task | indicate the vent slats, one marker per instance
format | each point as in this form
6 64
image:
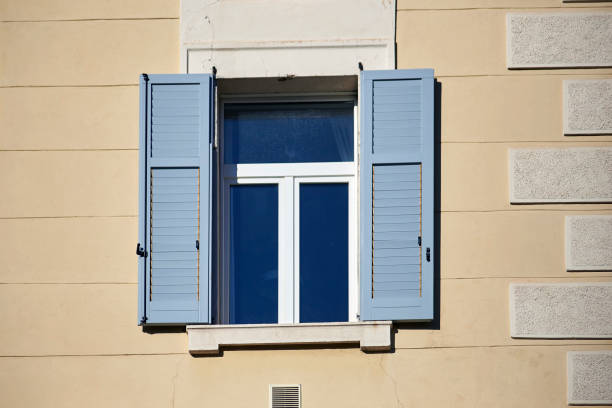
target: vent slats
285 396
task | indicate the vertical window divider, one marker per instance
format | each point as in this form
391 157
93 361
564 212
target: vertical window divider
285 250
296 250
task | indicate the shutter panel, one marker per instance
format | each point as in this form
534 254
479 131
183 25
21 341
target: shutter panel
397 195
176 123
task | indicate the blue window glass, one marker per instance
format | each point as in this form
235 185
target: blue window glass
324 252
254 253
288 133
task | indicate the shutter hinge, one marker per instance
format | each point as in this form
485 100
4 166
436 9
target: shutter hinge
145 77
360 65
141 251
198 244
419 240
143 320
428 255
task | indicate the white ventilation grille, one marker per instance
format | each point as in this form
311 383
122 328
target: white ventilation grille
285 396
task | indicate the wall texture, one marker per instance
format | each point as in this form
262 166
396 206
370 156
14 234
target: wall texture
68 173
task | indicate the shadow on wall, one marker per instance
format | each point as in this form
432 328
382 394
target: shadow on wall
435 323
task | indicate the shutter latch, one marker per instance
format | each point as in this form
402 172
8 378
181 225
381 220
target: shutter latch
419 240
141 251
198 244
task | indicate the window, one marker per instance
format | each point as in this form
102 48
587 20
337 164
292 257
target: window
289 210
284 222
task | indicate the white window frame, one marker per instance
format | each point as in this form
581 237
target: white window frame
288 177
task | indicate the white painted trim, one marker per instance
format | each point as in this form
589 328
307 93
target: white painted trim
286 260
289 169
288 176
208 340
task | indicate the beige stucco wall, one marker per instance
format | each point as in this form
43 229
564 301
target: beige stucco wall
68 176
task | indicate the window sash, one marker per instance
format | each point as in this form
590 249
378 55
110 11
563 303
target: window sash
288 176
288 244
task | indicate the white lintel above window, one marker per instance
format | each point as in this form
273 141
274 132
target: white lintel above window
267 38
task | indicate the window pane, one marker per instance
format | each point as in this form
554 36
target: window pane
288 133
254 253
324 252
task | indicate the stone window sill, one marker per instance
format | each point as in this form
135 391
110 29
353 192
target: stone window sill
209 339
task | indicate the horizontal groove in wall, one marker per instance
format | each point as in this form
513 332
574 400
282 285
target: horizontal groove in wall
525 73
68 283
605 207
572 275
536 72
556 142
605 141
67 86
569 8
72 20
523 209
297 348
71 150
577 276
92 355
68 216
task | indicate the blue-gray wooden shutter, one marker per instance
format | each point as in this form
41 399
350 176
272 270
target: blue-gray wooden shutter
176 125
396 195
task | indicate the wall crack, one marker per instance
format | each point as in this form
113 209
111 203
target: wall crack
174 378
399 403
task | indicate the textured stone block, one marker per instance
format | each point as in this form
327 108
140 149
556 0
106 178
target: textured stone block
588 243
587 107
589 377
563 310
561 175
559 40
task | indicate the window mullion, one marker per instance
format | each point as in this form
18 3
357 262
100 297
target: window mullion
285 251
